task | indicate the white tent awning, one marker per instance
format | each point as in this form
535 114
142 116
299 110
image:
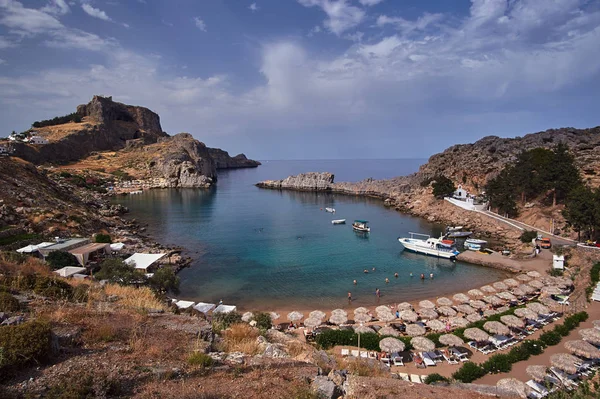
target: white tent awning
143 261
33 248
204 307
117 246
184 304
69 271
225 309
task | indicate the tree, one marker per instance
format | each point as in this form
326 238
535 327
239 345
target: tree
443 187
164 280
563 173
60 259
582 211
500 192
117 271
103 238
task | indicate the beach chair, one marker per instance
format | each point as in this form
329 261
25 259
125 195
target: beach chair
449 358
345 352
537 387
397 359
404 376
415 378
427 359
355 353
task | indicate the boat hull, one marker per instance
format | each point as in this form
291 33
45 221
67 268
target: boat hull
339 221
412 247
362 229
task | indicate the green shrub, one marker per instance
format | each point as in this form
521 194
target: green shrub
469 372
263 321
103 238
528 235
555 272
435 377
58 120
595 274
60 259
534 347
369 341
519 353
200 359
53 288
500 363
25 343
563 330
80 293
550 338
443 187
8 303
222 321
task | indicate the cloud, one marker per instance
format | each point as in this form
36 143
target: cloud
253 7
5 43
314 31
200 24
407 26
369 2
26 21
95 12
342 16
56 7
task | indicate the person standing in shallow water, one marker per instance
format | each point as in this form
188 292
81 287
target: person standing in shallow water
349 296
378 293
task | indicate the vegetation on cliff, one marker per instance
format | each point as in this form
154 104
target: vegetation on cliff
58 120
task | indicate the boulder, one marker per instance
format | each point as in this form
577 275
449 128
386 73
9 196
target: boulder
323 387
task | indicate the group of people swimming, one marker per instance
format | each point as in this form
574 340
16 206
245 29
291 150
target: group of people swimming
387 280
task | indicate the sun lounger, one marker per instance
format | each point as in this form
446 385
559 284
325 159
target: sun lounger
415 378
404 376
427 359
398 361
355 353
364 354
537 387
345 352
372 355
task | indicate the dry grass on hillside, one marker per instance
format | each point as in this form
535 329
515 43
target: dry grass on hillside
135 298
241 338
57 132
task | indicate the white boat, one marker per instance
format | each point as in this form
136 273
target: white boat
474 244
338 221
455 228
361 225
330 210
429 246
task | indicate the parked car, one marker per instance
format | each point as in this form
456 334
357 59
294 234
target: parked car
545 243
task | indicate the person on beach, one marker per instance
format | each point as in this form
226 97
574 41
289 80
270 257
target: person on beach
448 327
349 296
220 301
397 314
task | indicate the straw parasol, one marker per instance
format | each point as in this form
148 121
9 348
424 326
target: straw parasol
436 325
524 277
473 317
526 288
409 315
427 304
537 372
488 289
592 335
538 308
534 274
451 340
389 331
295 316
477 304
583 349
312 322
391 345
461 298
475 293
565 362
511 282
247 316
446 311
382 308
493 299
404 306
422 344
339 311
274 316
443 301
363 329
500 286
362 318
458 322
512 321
526 313
464 308
512 387
476 334
551 290
495 327
548 280
386 316
428 314
564 281
517 291
361 310
536 284
338 318
415 330
489 312
317 314
596 324
549 301
506 295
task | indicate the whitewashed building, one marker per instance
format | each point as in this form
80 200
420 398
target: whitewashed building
460 193
37 140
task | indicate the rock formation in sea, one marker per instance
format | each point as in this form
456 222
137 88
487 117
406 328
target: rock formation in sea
223 160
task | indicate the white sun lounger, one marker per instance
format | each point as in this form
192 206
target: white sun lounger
404 376
345 352
355 353
427 360
415 378
539 388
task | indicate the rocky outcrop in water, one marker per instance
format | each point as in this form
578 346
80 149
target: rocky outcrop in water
303 182
223 160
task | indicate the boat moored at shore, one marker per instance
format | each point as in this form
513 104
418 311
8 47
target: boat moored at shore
330 210
474 244
429 246
361 226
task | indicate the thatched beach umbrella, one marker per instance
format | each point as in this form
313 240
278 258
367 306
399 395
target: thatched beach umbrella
495 327
461 298
317 314
500 286
436 325
475 293
549 302
493 300
473 318
477 304
451 340
389 331
391 345
274 316
386 317
415 330
566 362
564 281
551 290
512 321
361 310
596 324
511 282
526 288
512 387
506 296
476 334
362 318
338 318
428 314
382 308
534 274
583 349
538 308
312 322
247 316
409 315
524 278
489 312
458 322
446 311
526 313
502 309
339 311
537 372
295 316
427 304
464 308
536 284
404 306
363 329
443 301
517 291
549 280
422 344
591 335
488 289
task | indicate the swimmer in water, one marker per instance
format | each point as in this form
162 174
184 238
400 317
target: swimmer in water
387 280
354 282
366 271
422 276
431 276
373 269
396 275
410 274
349 296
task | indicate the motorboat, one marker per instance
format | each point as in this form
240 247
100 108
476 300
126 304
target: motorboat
330 210
361 225
474 244
428 245
338 221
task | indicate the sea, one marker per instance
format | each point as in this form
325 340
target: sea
262 249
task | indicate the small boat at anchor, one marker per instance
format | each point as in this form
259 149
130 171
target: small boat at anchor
474 244
361 226
330 210
429 246
338 221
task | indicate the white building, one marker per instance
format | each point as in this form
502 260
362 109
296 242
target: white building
558 262
37 140
460 193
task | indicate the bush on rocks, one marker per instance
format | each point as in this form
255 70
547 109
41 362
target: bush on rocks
25 343
53 288
8 303
435 377
263 321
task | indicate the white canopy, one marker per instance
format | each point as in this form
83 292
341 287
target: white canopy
69 271
117 246
225 309
33 248
184 304
204 307
143 261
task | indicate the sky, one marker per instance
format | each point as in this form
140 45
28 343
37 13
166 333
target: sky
309 79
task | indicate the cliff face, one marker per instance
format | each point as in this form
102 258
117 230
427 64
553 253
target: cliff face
305 181
223 160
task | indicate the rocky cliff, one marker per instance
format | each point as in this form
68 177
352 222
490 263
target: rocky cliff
303 182
223 160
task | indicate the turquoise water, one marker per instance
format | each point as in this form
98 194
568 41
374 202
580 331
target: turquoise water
259 248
